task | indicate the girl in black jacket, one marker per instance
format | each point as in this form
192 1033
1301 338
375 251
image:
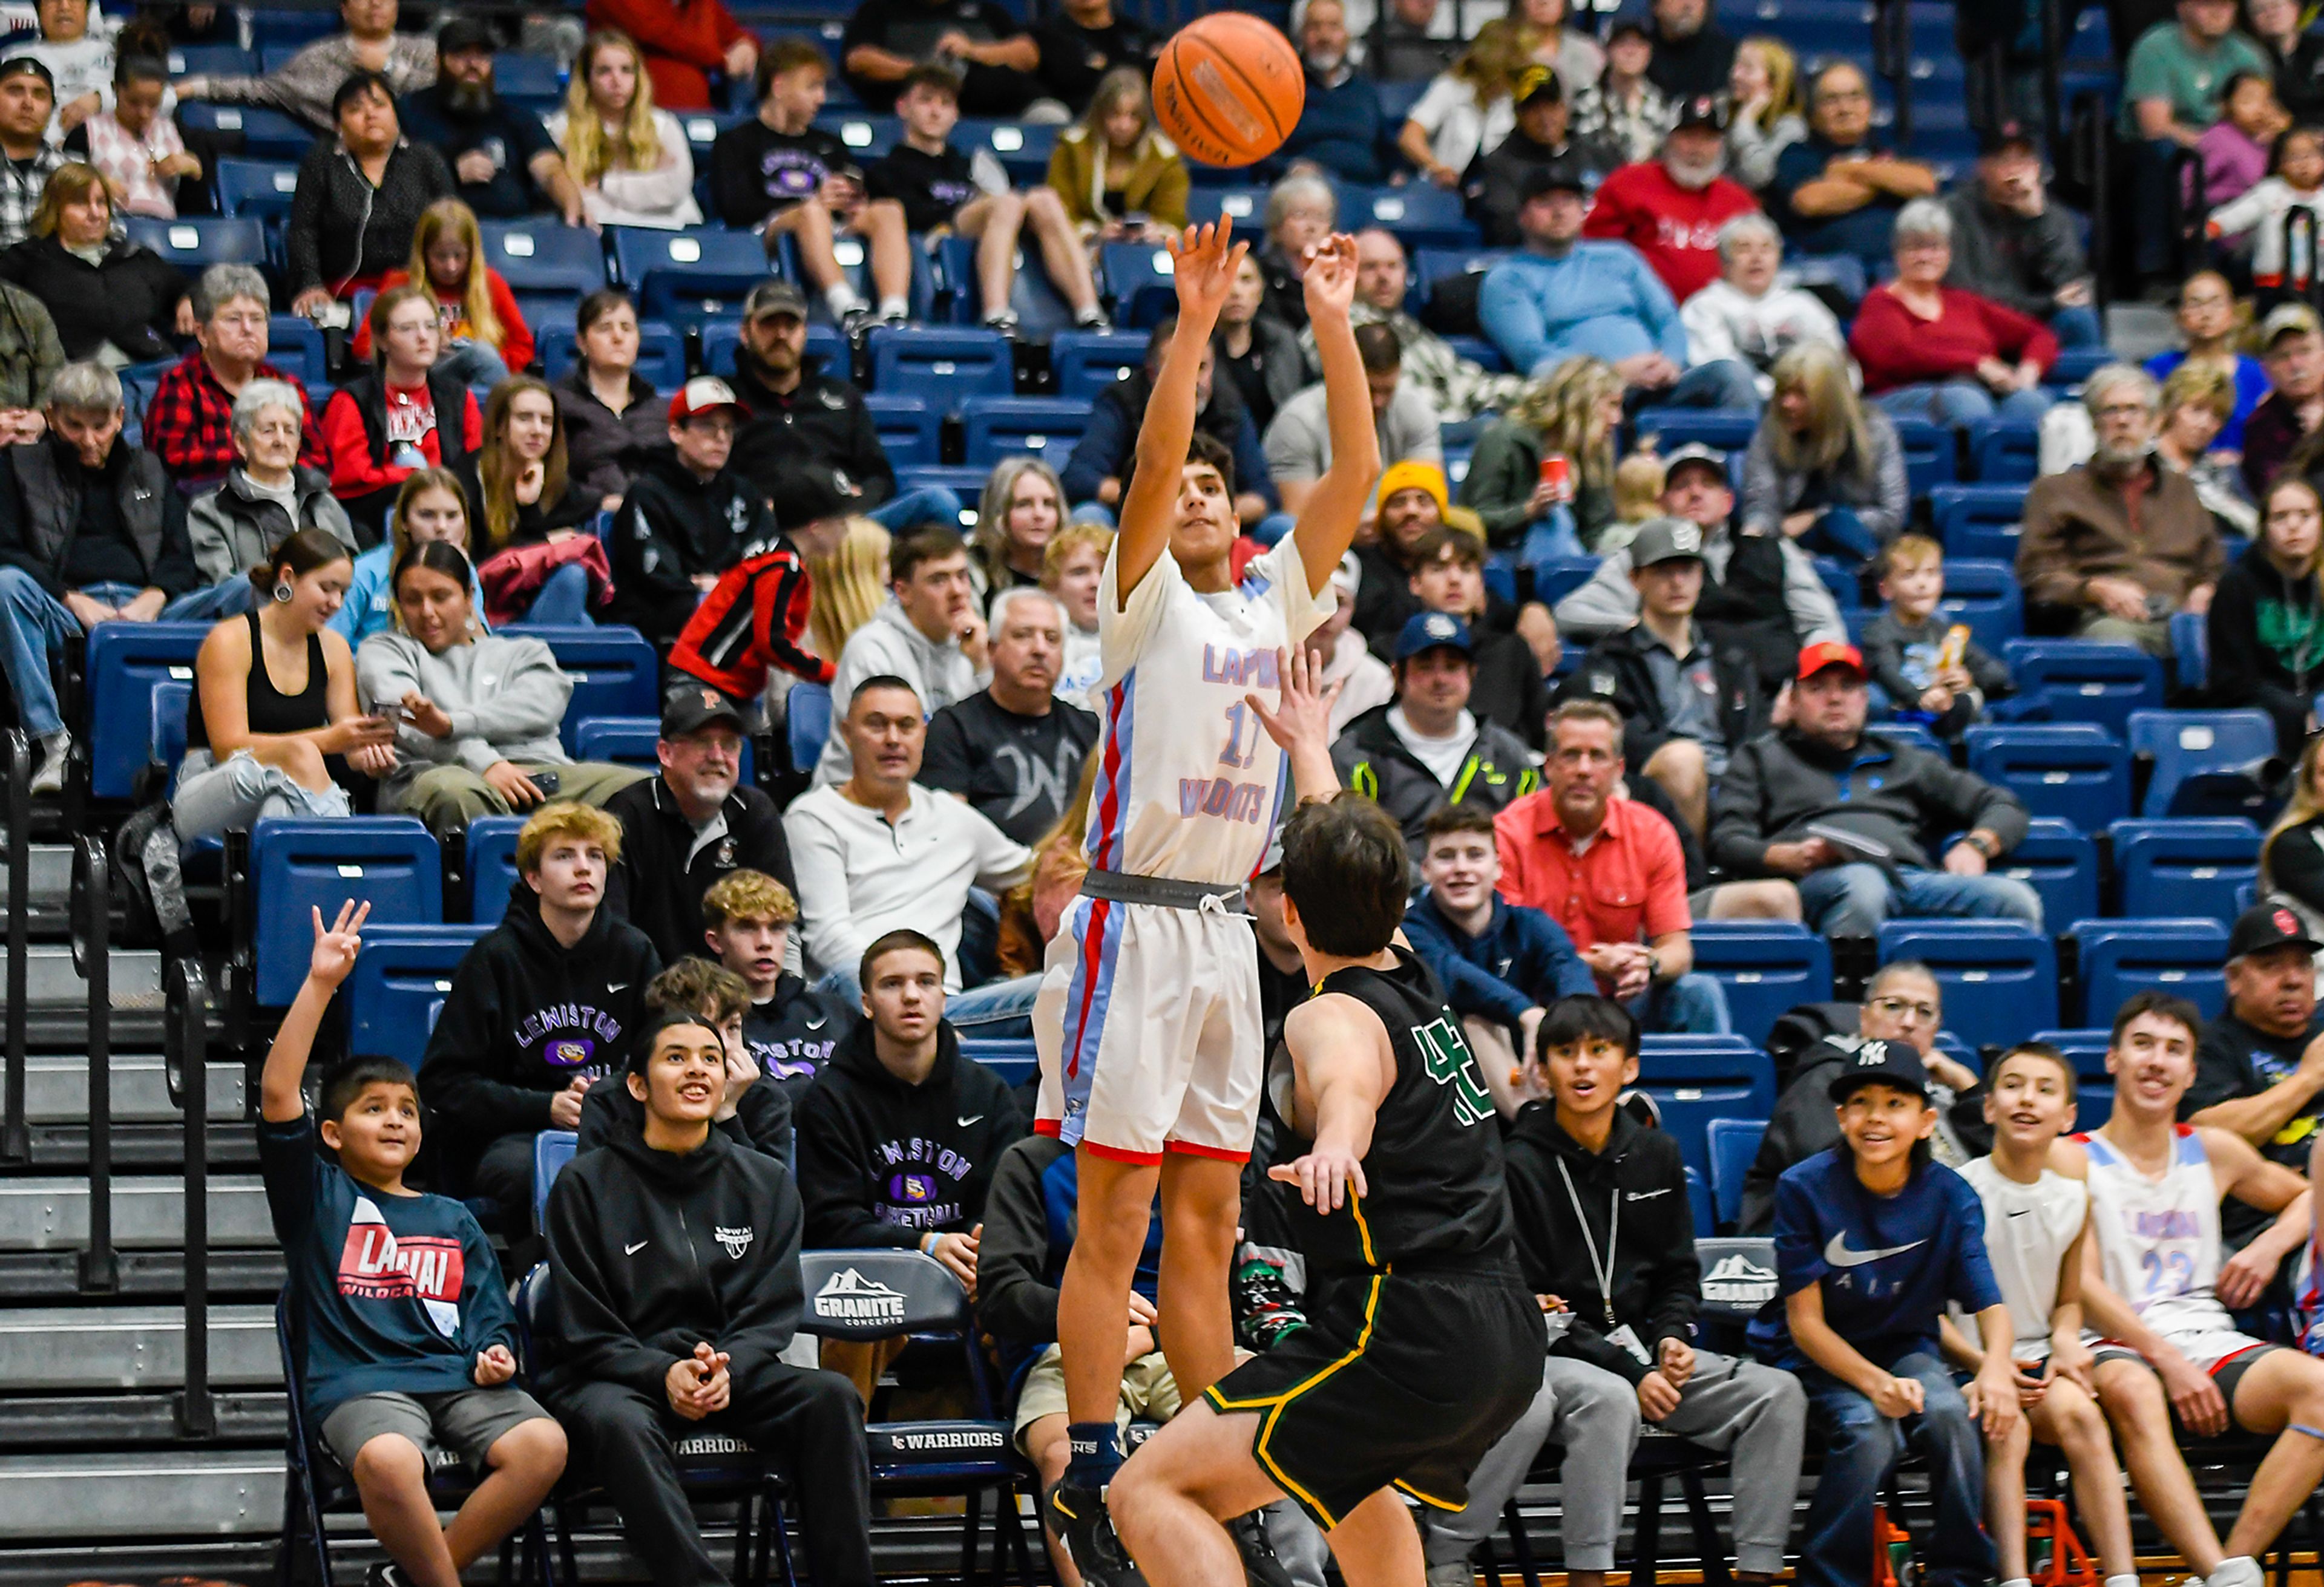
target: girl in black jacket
101 290
2266 622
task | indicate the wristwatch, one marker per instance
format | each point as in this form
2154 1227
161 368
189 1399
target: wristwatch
1983 845
1654 965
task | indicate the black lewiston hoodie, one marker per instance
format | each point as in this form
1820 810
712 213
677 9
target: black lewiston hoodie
884 1163
526 1014
649 1252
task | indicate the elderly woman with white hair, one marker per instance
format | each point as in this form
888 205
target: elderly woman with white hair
1750 314
1933 351
267 496
1301 209
1824 469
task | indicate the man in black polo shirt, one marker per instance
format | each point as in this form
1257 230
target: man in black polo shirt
502 162
684 830
2259 1066
1013 750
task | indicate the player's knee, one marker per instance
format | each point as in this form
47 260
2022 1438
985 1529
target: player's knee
389 1461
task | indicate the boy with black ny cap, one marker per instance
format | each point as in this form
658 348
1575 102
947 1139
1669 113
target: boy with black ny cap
687 517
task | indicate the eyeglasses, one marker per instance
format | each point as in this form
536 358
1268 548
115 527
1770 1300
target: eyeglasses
1897 1008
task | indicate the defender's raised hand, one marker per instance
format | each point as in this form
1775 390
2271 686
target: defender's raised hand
1329 283
1202 264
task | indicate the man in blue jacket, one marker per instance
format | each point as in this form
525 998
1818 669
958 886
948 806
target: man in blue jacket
1561 296
1499 963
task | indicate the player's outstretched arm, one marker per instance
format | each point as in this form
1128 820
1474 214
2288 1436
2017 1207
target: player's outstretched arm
1301 723
1341 1060
1327 524
336 947
1203 261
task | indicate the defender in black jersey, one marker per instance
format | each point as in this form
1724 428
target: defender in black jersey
1422 1343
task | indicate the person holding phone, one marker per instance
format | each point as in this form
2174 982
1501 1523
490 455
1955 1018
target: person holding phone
474 714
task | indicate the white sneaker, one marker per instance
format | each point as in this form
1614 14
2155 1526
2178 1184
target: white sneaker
2242 1571
50 778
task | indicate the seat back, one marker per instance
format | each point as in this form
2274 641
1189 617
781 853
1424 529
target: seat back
1998 976
2086 1049
1929 453
620 741
2073 771
1138 277
910 430
1765 967
294 344
551 1151
2083 681
1421 216
2061 864
1037 427
1980 521
1985 596
689 275
2185 868
662 354
2004 451
2185 958
943 367
257 190
1692 1085
2190 649
543 255
1665 429
615 672
122 664
490 859
2184 745
1085 362
300 865
1013 1058
1022 149
1734 1144
807 723
166 734
194 242
399 985
266 135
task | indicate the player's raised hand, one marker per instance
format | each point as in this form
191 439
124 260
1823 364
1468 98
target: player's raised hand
336 945
1330 284
1323 1177
1203 267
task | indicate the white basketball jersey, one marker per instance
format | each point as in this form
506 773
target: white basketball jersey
1188 782
2027 1231
2160 1238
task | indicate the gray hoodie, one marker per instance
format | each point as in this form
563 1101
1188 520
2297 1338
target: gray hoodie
505 696
889 644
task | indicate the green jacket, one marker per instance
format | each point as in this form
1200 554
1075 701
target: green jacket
1502 473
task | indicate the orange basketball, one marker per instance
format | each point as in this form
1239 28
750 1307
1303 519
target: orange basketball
1228 90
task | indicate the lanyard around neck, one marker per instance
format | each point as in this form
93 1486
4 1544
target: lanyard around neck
1604 1271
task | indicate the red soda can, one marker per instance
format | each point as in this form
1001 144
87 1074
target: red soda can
1558 475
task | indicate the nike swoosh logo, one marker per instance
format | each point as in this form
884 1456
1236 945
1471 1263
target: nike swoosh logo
2019 1212
970 1119
1646 1194
617 985
633 1250
818 1024
1838 1254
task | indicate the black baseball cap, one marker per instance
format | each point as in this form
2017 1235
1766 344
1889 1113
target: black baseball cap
1881 1063
2264 926
810 493
692 707
467 33
1703 110
2004 136
1559 175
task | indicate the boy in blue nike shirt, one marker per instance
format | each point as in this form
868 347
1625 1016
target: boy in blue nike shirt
1872 1239
409 1339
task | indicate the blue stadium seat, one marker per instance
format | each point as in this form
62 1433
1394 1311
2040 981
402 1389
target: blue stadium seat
2083 681
943 367
1039 427
615 672
297 865
1998 976
807 723
1137 277
295 347
1695 1085
532 80
2201 760
1666 429
685 276
266 135
1248 206
661 353
1479 351
2061 863
1929 453
1843 585
2191 649
2183 957
1842 273
489 858
166 729
1698 1204
212 61
619 740
1560 576
2004 451
1765 967
2184 868
1421 216
398 987
909 430
2086 1049
1985 596
2075 771
825 344
194 242
544 256
867 135
1431 265
1041 310
1086 363
1978 520
1022 149
1013 1058
257 189
968 484
551 1151
125 662
1914 733
1734 1143
2076 365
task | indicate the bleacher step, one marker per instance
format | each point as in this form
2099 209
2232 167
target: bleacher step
52 980
57 1349
49 1214
48 886
55 1089
192 1494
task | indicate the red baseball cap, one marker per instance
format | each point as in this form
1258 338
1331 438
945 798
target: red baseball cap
705 394
1815 658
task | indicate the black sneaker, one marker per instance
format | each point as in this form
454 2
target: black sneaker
1260 1563
1077 1516
386 1574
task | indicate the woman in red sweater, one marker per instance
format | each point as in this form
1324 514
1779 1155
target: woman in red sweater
1934 352
484 337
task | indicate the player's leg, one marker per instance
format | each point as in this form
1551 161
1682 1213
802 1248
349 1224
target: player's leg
2282 1392
390 1475
1453 1537
522 1466
1168 1502
1046 1445
881 223
1201 1207
993 220
1061 250
2131 1397
2005 1498
2070 1419
1114 1202
1378 1545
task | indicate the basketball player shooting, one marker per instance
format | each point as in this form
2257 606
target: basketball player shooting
1148 1020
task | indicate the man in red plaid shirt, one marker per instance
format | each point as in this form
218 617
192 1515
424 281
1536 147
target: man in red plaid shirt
190 424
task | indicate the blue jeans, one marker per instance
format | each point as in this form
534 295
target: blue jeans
1955 403
1841 533
563 600
230 599
937 504
1860 1447
33 628
1693 1004
1723 382
475 365
1852 900
2077 327
1550 537
996 1010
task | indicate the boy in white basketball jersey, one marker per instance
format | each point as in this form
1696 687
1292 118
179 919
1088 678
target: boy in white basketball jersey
1148 1020
2154 1283
2036 1222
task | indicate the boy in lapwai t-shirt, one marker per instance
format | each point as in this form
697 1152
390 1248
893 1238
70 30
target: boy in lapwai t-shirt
407 1338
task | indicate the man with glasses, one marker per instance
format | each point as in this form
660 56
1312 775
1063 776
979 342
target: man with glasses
2121 541
1904 1007
1835 191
